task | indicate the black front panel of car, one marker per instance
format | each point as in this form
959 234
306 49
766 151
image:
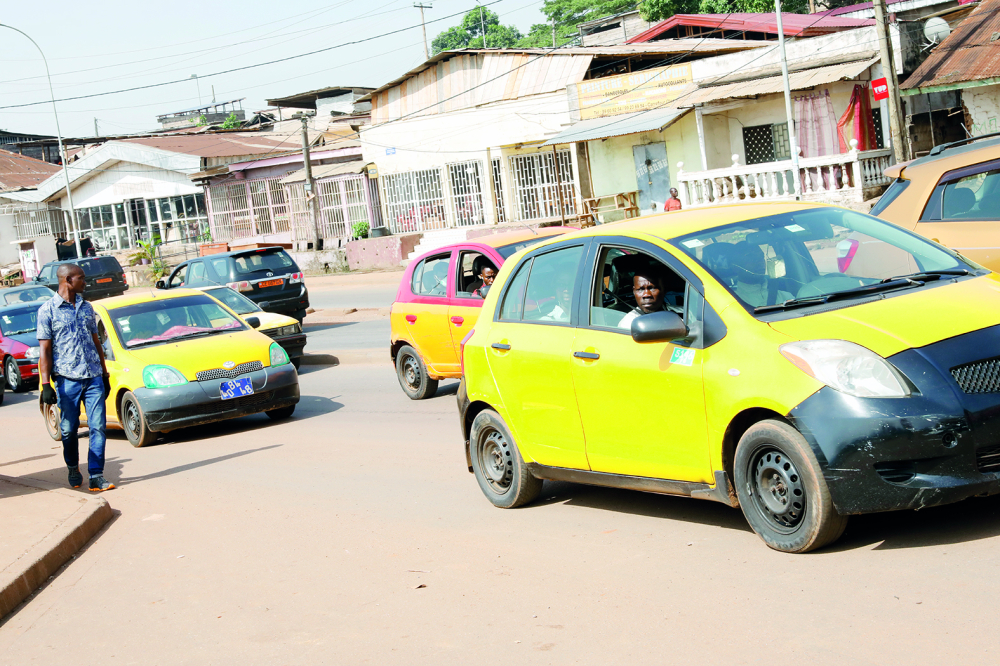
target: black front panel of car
937 446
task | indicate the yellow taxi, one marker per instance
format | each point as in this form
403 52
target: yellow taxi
438 301
730 354
180 358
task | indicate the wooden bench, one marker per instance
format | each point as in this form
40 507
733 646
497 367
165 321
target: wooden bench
627 202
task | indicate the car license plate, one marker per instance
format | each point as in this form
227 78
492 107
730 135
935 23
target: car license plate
236 388
270 283
103 280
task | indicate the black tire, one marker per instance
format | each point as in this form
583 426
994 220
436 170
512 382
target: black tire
297 362
3 387
281 413
13 375
412 374
134 422
782 490
502 475
53 421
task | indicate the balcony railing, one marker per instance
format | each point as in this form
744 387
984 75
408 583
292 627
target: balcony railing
843 178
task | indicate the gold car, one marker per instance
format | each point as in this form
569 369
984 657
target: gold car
951 196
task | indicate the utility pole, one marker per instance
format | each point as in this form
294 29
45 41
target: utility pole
423 26
196 83
96 133
482 24
310 186
793 144
896 126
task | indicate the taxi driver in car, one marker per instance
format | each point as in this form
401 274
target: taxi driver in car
647 287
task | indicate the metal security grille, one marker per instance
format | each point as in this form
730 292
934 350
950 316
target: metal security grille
782 146
500 207
222 373
32 222
988 459
466 192
535 189
413 201
758 144
342 203
301 215
877 119
247 208
980 377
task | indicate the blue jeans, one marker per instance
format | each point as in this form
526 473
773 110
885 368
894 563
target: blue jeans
90 392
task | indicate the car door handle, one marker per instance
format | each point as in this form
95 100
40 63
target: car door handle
501 346
590 356
458 321
411 318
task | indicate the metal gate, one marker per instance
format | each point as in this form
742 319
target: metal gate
535 185
465 179
413 201
247 208
342 202
500 202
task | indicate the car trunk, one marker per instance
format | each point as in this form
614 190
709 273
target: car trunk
269 271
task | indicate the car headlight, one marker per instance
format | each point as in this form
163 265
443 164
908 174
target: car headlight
162 376
278 355
847 367
33 352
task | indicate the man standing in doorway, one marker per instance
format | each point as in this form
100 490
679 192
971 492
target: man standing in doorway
72 355
674 202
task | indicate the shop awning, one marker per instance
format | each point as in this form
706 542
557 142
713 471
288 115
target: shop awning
325 171
627 123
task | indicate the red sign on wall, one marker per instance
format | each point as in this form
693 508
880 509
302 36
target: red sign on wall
880 88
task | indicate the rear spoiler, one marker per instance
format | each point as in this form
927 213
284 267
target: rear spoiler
896 170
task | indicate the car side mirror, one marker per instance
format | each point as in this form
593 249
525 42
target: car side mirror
264 305
160 284
254 322
658 327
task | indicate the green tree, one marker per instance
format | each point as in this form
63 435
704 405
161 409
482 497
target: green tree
470 33
657 10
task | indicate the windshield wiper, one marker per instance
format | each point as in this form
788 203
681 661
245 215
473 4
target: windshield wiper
187 336
930 275
27 330
896 283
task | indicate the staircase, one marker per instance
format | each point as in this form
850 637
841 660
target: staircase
432 240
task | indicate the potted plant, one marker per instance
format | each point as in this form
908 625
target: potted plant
360 229
145 255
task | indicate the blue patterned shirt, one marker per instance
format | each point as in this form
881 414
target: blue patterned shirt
70 327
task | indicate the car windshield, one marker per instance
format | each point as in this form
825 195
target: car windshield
27 295
506 251
19 321
171 319
276 261
238 303
815 256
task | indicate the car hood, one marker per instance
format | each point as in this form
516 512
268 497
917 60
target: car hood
269 320
906 320
25 339
192 356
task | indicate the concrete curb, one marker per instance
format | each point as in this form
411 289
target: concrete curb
44 558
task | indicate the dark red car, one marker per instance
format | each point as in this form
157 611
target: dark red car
19 349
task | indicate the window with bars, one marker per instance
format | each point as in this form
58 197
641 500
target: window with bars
535 185
766 143
413 201
500 205
342 203
465 180
247 208
877 119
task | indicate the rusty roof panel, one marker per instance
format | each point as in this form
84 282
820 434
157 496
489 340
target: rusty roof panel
21 171
218 145
970 53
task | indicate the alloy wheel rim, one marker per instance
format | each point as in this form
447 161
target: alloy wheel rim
13 375
411 372
496 461
776 488
52 418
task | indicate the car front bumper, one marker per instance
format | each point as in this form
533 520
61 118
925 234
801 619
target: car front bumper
294 345
28 368
283 303
937 446
197 403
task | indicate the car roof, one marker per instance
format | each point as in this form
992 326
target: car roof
237 253
23 287
145 294
520 235
952 158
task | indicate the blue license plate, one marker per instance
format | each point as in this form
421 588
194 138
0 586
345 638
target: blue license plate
236 388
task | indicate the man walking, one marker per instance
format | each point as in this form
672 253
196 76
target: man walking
71 353
674 202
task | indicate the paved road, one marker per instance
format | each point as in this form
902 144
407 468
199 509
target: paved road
354 290
308 541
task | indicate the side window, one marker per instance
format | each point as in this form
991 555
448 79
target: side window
102 333
221 268
513 300
430 277
46 273
973 196
177 279
474 270
196 273
629 284
548 294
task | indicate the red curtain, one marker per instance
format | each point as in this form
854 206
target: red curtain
857 123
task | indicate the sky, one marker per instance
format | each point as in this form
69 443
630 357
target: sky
113 44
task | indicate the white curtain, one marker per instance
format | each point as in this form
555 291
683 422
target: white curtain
816 131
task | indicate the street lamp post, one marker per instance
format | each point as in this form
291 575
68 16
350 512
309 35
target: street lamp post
62 151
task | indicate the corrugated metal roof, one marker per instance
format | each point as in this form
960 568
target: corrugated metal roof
218 145
794 25
326 171
773 84
307 100
628 123
21 171
971 53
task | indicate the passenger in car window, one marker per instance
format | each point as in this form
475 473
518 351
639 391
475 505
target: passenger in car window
648 286
486 274
753 286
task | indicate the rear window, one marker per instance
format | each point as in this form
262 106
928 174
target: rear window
274 261
890 195
99 266
506 251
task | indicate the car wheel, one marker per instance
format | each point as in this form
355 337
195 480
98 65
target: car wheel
3 387
296 362
497 464
412 374
782 490
134 422
14 381
53 421
281 413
